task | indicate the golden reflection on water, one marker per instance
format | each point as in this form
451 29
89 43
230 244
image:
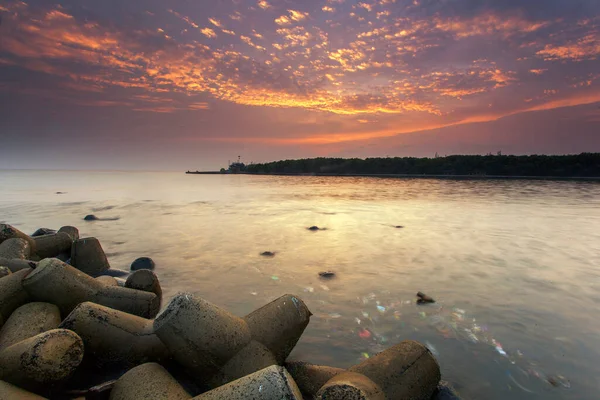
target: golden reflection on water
520 257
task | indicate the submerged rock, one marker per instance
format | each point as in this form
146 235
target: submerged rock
326 274
423 298
315 228
267 254
91 217
143 263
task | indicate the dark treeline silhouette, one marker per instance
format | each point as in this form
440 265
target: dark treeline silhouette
581 165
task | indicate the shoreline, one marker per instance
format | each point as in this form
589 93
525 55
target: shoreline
412 176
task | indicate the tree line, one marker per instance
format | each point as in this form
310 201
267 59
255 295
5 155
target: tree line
580 165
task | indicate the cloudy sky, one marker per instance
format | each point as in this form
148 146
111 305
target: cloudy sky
172 84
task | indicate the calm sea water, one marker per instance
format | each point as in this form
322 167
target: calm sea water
514 265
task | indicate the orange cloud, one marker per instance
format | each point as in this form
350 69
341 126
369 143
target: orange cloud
586 48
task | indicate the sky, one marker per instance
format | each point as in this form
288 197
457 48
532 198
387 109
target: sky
191 84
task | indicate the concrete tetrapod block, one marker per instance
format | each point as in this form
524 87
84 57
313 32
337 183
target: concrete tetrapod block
107 280
352 386
15 248
71 231
10 232
58 283
310 378
279 324
87 256
273 382
52 245
29 320
4 271
16 264
12 293
148 381
200 335
8 391
253 357
42 360
112 336
145 280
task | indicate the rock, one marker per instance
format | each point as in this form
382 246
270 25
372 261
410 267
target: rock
12 294
27 321
71 231
115 337
326 274
423 298
43 231
4 271
148 381
273 382
42 360
58 283
314 228
52 245
267 254
88 256
15 248
91 217
146 281
399 226
143 263
8 391
61 192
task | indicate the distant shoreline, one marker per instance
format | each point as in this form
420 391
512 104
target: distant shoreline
417 176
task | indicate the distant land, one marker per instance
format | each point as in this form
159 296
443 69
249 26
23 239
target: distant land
584 165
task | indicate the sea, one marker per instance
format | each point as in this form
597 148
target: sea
514 265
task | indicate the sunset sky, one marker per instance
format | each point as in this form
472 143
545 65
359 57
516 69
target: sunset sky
190 84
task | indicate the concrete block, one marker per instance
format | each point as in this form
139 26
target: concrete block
352 386
309 377
146 281
12 293
15 248
58 283
148 381
112 336
52 245
253 357
16 264
4 271
107 280
42 360
273 382
87 256
279 325
8 392
71 231
10 232
29 320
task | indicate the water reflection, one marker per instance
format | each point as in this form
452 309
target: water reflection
513 264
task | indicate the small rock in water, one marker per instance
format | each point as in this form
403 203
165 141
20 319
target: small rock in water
315 228
43 231
399 226
143 263
61 192
90 217
326 274
423 298
267 254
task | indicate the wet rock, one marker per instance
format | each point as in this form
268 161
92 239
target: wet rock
61 192
115 337
42 360
267 254
58 283
424 299
43 231
326 274
91 217
88 256
399 227
27 321
15 248
315 228
148 381
143 263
